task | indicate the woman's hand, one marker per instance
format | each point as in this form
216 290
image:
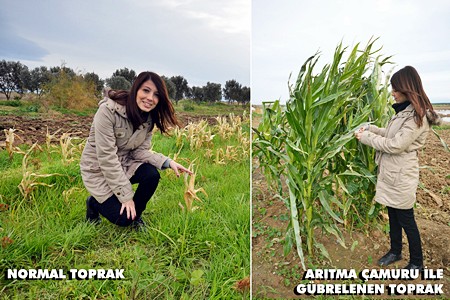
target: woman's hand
359 132
129 208
177 168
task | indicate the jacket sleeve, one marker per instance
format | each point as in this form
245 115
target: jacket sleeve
108 160
407 134
142 153
377 130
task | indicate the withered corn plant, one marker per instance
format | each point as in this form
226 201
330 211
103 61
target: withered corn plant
30 179
10 137
190 192
49 138
199 135
309 144
68 148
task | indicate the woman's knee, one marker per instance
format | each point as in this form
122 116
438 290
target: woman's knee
123 221
149 173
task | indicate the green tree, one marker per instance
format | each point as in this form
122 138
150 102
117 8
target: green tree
171 88
36 80
212 92
118 83
244 95
197 94
181 87
232 91
24 76
56 71
129 75
10 77
95 79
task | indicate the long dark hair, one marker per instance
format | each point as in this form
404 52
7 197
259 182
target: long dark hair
407 81
163 115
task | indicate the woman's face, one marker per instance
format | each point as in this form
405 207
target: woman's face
398 97
147 96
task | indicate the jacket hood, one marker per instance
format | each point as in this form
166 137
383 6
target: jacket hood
433 118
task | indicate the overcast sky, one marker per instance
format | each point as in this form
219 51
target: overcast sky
199 39
286 32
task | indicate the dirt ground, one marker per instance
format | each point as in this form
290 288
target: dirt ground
275 275
34 129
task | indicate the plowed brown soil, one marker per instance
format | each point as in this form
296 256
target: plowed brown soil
34 129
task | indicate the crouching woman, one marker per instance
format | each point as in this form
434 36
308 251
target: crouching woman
397 146
117 153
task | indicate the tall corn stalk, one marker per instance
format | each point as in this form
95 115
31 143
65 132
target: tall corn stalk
311 142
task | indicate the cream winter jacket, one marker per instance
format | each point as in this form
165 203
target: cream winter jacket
398 165
113 152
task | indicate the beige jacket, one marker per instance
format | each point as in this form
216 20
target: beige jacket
113 152
398 165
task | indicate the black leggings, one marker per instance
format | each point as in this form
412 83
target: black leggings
404 218
148 178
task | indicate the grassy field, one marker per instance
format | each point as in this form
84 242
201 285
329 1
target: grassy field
182 255
37 106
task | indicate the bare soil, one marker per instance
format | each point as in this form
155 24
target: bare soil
275 275
34 129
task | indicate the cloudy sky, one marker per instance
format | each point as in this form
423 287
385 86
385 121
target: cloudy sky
286 32
199 39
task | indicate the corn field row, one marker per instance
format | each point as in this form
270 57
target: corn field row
307 150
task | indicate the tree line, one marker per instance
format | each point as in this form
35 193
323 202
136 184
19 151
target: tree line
17 77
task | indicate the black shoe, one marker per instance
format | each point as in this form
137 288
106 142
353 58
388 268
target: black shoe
411 266
92 214
388 259
138 224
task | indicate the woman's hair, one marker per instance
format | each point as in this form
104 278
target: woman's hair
407 81
163 115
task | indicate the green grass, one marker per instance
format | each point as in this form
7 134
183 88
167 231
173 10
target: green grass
19 107
182 255
188 107
445 126
13 103
218 108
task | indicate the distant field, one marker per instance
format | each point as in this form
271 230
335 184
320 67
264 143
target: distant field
441 106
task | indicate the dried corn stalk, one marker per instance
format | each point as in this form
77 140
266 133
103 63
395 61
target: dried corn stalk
49 137
68 148
29 179
10 137
190 193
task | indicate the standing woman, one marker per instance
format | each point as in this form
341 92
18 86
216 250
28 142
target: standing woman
117 153
397 147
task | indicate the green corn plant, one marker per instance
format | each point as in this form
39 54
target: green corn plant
268 144
353 170
310 143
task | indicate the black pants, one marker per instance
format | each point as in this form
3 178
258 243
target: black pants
148 178
404 218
